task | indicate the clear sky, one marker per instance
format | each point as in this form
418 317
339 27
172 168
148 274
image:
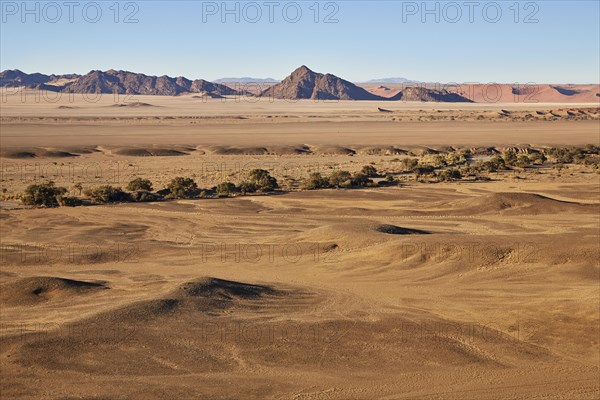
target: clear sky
477 41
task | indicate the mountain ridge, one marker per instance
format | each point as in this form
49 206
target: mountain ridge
302 83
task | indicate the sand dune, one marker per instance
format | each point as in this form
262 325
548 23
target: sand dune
145 152
522 203
396 230
475 288
28 291
502 93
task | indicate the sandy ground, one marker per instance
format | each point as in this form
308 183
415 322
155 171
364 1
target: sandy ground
495 294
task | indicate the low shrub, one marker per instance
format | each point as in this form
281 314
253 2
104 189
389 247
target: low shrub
423 170
263 180
369 171
522 161
182 188
107 194
340 179
226 189
361 180
410 164
65 201
44 195
315 181
449 175
145 196
139 184
247 187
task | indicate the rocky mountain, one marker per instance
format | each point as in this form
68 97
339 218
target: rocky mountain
419 93
304 83
124 82
15 77
112 81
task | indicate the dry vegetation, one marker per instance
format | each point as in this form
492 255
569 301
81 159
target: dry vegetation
430 259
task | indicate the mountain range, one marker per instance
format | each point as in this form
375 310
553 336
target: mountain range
303 83
111 81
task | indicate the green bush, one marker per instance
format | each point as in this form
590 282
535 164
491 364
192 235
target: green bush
369 171
45 195
423 170
340 179
139 184
247 187
226 189
410 164
537 158
263 180
510 157
145 196
65 201
182 188
315 181
522 161
449 175
361 180
107 194
437 160
456 159
498 162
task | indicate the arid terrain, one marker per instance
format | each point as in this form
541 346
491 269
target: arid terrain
414 286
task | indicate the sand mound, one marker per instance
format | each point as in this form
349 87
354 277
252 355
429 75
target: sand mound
481 151
34 290
334 150
142 152
231 150
48 152
289 150
17 154
208 295
78 149
521 203
421 151
215 288
136 104
36 152
55 154
211 95
396 230
381 151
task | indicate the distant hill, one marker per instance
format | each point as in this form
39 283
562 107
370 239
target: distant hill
112 81
429 95
391 80
246 80
15 77
124 82
304 83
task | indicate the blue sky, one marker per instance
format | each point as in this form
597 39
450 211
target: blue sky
545 42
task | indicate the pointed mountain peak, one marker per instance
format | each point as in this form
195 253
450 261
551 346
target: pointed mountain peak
303 70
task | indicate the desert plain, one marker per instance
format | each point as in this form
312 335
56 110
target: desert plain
465 289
